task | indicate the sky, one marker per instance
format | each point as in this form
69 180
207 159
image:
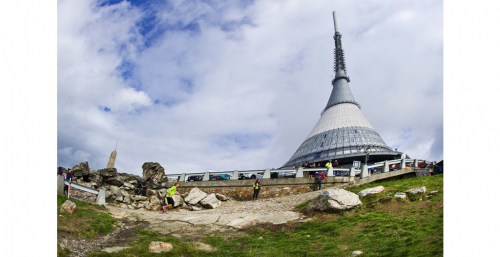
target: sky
238 85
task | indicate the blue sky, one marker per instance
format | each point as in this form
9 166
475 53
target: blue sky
217 85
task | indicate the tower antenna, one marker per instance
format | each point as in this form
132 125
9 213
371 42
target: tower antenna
116 144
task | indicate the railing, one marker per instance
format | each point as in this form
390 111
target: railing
299 172
101 193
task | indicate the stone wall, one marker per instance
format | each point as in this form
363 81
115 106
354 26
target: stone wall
246 193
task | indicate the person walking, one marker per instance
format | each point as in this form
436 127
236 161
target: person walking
256 189
170 201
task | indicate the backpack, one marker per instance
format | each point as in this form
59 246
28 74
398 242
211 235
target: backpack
322 176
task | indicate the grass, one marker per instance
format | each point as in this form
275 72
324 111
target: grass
89 222
303 204
380 227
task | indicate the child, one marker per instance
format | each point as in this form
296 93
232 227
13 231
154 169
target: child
170 201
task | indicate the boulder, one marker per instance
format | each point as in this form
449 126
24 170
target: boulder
158 247
356 253
81 169
108 172
119 198
153 201
178 201
334 199
221 197
194 196
154 173
162 193
210 202
97 179
433 192
194 208
126 199
150 193
109 196
69 207
133 182
128 186
124 192
370 191
115 180
416 190
115 190
138 198
400 195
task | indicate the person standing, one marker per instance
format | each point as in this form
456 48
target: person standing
320 176
59 171
69 178
256 189
328 164
170 201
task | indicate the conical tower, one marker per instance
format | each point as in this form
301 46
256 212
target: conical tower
342 133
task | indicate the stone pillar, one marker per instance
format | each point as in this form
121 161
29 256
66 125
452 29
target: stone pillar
60 185
352 173
386 167
112 158
267 174
207 176
183 177
403 164
300 172
416 164
364 171
330 172
235 175
101 197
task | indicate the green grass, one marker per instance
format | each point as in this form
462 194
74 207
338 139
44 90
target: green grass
89 222
379 227
303 204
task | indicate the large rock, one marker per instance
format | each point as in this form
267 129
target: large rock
221 197
154 173
108 172
153 201
124 192
194 208
69 207
138 198
115 180
97 179
178 200
128 186
210 202
334 199
115 190
400 195
416 190
81 169
194 196
370 191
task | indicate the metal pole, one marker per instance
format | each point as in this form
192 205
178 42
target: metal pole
335 22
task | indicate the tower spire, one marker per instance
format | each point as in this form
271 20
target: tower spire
341 93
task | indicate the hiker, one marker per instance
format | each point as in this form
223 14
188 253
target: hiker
256 189
170 201
320 176
59 171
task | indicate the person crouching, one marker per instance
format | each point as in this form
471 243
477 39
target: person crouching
170 201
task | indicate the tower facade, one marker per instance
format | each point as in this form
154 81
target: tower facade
342 133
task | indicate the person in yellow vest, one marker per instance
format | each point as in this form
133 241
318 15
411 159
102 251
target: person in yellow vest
168 196
256 189
328 164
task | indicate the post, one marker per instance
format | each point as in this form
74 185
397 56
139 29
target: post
300 172
60 185
386 167
364 171
416 164
335 22
330 172
352 173
403 163
206 177
267 174
101 197
183 177
235 175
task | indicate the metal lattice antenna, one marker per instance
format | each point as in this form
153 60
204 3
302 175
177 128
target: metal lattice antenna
339 52
116 144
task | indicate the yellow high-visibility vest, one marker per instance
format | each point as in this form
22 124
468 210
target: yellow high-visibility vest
256 186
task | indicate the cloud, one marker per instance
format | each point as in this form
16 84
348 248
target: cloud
208 85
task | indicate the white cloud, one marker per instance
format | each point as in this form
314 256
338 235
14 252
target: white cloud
226 87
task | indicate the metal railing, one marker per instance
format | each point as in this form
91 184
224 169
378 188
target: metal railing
299 172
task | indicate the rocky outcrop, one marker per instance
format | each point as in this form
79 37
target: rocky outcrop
194 196
154 173
400 195
108 172
335 199
370 191
178 200
69 207
158 247
81 169
210 202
